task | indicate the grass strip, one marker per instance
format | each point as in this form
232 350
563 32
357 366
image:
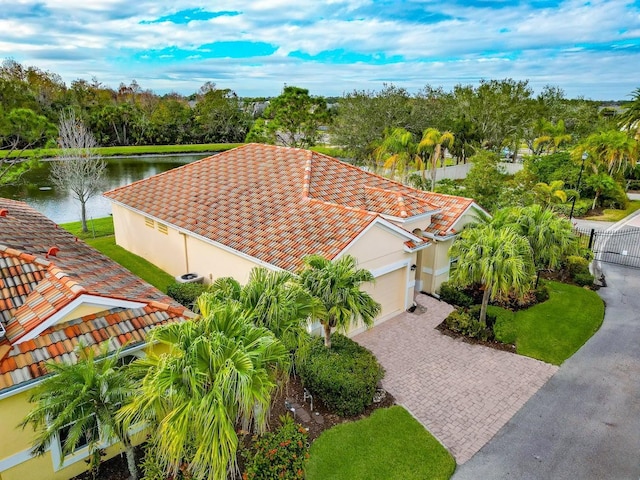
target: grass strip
389 444
554 330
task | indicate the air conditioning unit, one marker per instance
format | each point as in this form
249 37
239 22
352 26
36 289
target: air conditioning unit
190 278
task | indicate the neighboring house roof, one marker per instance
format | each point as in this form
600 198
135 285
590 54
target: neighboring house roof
278 204
45 273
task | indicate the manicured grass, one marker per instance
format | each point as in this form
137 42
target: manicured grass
554 330
613 215
140 150
105 242
390 444
98 227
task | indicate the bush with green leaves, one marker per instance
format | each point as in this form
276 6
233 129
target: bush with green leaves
186 293
454 296
580 209
466 323
504 329
575 265
344 377
278 455
541 293
584 279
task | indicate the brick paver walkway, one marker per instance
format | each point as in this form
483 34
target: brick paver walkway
463 394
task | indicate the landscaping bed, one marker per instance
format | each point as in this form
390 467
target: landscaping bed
116 467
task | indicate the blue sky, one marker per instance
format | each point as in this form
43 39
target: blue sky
255 47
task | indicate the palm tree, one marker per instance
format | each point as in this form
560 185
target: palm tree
275 300
431 145
497 259
398 152
552 136
630 118
337 284
550 236
613 149
550 193
82 399
218 375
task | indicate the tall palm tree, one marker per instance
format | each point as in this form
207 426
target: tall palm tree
398 152
218 375
552 136
613 149
630 118
272 299
82 399
550 236
498 259
337 284
431 145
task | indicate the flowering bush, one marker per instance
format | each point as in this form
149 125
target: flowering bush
278 455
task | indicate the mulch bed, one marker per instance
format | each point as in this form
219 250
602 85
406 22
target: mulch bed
506 347
116 468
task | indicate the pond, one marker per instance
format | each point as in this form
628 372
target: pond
36 189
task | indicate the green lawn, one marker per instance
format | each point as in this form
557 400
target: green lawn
105 242
390 444
141 149
613 215
554 330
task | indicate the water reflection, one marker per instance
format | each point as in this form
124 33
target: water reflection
36 189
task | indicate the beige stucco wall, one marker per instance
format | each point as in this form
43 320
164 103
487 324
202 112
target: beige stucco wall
175 252
15 440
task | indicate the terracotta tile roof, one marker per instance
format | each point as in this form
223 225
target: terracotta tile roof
26 361
33 288
278 204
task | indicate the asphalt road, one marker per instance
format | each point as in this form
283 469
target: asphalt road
584 423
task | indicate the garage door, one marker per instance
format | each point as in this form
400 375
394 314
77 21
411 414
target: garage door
389 290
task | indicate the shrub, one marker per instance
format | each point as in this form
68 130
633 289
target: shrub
343 377
278 455
541 293
454 296
464 323
504 329
584 279
580 210
185 293
576 265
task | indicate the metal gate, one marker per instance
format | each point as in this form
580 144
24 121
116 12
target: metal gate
621 247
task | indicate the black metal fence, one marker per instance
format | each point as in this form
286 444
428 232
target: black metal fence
621 247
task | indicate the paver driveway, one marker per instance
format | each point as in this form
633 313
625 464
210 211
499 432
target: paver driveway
463 394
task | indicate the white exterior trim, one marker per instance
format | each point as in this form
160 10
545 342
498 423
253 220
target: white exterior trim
378 272
385 224
15 459
222 246
473 205
440 271
413 218
84 299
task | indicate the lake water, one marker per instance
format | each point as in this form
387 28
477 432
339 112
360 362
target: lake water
36 189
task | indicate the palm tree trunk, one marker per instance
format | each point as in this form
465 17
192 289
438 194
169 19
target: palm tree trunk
327 334
595 200
433 173
131 458
485 302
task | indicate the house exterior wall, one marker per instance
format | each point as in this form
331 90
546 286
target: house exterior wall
176 252
382 252
435 265
15 443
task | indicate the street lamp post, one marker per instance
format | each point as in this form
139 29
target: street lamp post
573 204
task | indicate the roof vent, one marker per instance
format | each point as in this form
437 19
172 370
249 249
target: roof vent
52 252
4 212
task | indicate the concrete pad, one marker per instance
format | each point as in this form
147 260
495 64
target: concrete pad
463 394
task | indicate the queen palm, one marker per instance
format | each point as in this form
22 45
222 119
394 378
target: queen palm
272 299
337 285
614 150
630 117
218 375
550 193
550 236
82 399
431 145
398 152
497 259
552 136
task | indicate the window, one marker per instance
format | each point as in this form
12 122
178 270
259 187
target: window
162 228
79 453
63 434
149 222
